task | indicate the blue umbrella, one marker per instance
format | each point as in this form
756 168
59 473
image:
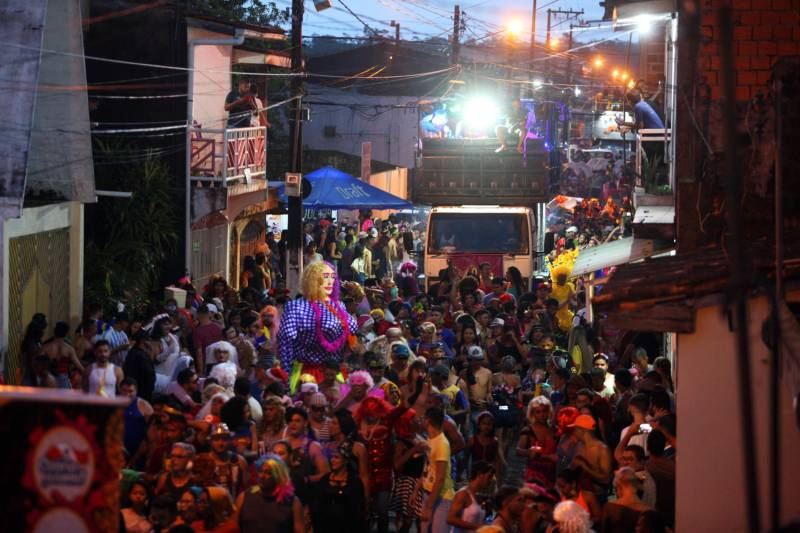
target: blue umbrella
334 189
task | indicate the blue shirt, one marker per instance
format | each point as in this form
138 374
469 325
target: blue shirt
644 114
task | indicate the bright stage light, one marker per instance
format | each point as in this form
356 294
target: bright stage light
577 91
480 112
643 24
537 84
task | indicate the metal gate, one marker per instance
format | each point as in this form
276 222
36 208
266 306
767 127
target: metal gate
38 283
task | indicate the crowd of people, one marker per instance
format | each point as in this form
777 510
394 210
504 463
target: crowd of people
374 402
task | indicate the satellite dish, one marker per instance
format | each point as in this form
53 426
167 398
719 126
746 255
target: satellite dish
306 188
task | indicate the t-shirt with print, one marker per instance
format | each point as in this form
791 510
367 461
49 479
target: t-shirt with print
438 450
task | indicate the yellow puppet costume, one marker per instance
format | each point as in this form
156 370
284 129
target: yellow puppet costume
562 289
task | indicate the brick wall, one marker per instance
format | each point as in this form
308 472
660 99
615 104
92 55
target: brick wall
764 31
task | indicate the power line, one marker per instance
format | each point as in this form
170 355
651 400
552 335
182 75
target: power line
186 69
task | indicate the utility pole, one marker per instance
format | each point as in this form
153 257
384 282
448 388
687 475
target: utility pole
570 13
547 41
396 25
532 52
455 45
294 256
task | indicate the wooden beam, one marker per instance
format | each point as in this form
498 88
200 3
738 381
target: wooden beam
675 318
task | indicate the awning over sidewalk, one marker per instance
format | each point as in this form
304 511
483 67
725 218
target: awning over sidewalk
616 253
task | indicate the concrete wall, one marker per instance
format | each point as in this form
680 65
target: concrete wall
393 132
710 474
60 158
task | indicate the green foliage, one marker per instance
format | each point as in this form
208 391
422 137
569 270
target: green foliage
252 11
129 239
653 174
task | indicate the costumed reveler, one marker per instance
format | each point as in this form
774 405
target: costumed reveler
562 289
316 327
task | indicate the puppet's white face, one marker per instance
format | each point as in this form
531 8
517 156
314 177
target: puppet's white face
328 280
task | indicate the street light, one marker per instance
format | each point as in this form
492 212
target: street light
598 62
515 27
624 76
615 73
554 43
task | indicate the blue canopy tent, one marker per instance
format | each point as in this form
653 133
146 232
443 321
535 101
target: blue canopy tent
334 189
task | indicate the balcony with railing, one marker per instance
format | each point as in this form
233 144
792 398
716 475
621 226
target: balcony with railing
226 157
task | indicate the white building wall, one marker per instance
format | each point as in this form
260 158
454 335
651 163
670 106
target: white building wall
710 469
393 132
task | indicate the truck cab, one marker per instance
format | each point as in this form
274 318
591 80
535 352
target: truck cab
484 204
466 236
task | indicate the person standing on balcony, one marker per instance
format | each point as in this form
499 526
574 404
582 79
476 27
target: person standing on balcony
645 117
240 104
258 117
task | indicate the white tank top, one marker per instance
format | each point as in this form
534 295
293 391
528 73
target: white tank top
103 381
471 513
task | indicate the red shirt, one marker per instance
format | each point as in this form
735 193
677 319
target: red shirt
205 335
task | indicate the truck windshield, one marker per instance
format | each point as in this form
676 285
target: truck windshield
492 233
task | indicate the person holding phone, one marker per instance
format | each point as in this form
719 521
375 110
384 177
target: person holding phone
239 104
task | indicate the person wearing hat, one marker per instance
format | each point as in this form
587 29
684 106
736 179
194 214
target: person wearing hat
479 382
399 354
496 327
427 343
593 457
317 419
377 369
118 338
598 377
230 468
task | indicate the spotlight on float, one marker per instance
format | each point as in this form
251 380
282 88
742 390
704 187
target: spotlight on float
643 24
480 112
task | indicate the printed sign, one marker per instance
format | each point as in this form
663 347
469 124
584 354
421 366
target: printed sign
63 464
